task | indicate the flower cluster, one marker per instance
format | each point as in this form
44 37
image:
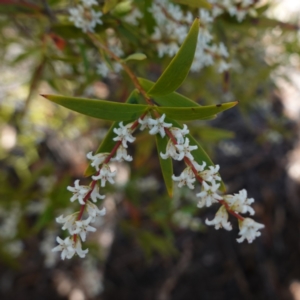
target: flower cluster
84 17
178 148
86 196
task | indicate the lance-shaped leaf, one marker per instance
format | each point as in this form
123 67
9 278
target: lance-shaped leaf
199 154
194 113
172 99
179 67
165 164
100 109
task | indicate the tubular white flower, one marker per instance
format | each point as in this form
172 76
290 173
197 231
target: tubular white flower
249 230
144 122
102 69
93 211
85 18
124 134
82 227
220 220
66 248
211 174
68 221
180 133
171 151
240 203
122 155
158 126
208 194
185 150
97 159
95 194
79 192
132 17
105 175
187 177
199 168
77 247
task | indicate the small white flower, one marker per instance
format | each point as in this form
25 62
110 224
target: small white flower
132 17
220 220
122 155
187 177
211 175
144 122
249 230
79 192
240 203
185 150
223 66
68 221
124 134
102 69
171 151
208 194
198 167
65 246
104 175
93 211
158 126
205 17
77 247
85 18
180 133
97 159
82 227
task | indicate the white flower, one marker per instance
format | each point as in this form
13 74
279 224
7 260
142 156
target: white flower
144 122
240 203
93 211
223 66
77 247
185 150
82 227
220 220
122 155
104 175
187 177
97 159
249 230
80 192
124 134
132 17
211 175
68 221
85 18
180 133
117 67
199 168
205 17
102 69
171 151
208 194
158 126
65 246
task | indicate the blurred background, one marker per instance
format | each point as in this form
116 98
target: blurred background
148 246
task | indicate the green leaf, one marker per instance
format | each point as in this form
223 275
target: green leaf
194 113
135 56
100 109
179 67
195 3
166 164
173 99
